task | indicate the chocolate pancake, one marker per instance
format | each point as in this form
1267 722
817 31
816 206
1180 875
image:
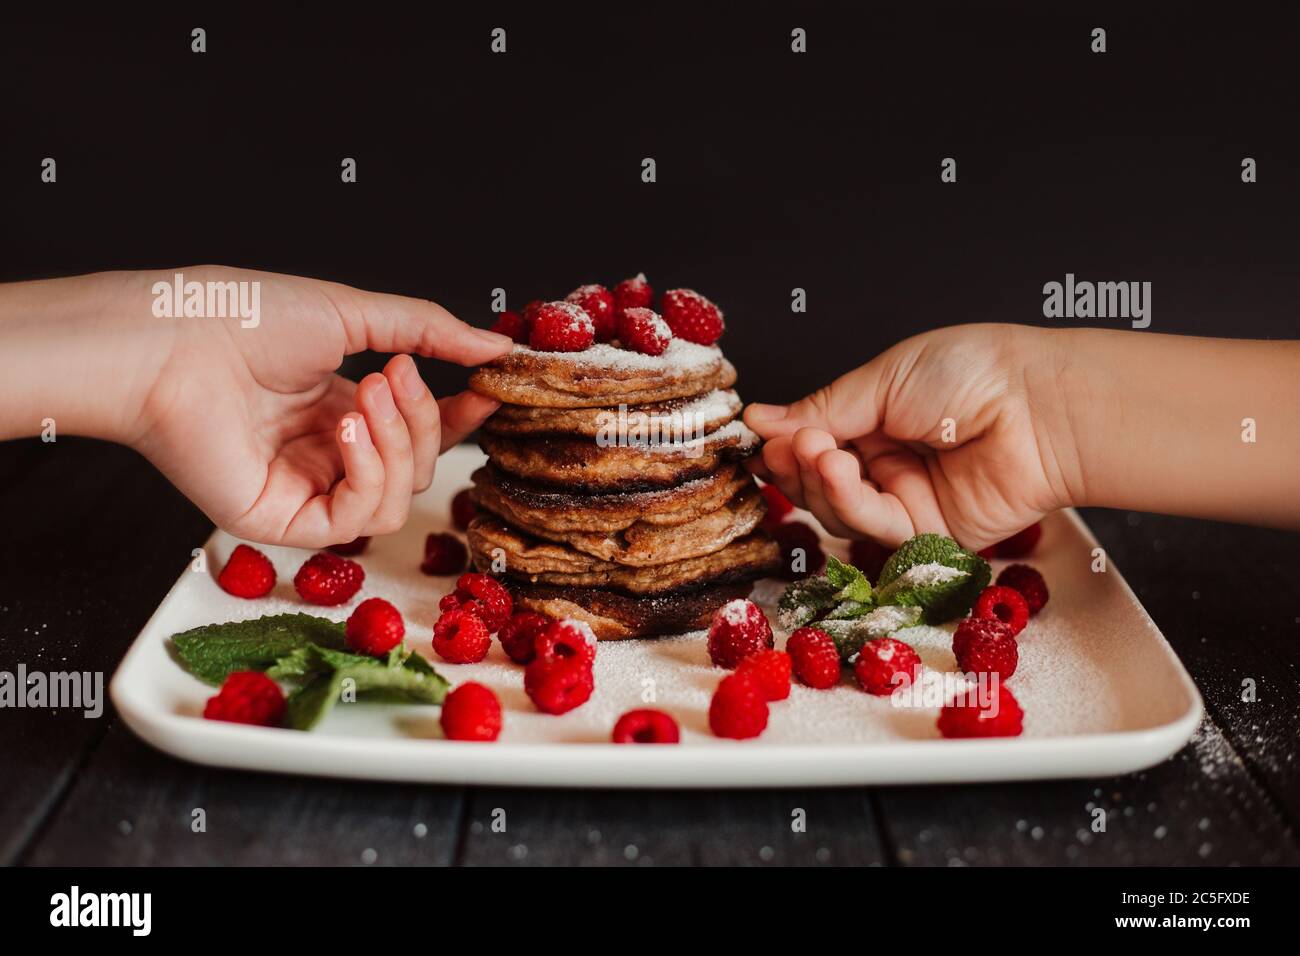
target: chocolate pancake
546 562
585 465
616 617
696 415
642 544
603 375
554 510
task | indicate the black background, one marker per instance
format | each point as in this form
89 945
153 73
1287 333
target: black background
775 170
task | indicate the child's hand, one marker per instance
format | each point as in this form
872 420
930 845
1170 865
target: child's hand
956 431
252 423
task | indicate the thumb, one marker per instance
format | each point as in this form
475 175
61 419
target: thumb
849 407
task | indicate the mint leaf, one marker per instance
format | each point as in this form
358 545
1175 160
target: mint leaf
213 651
934 573
804 601
412 681
852 583
850 635
309 704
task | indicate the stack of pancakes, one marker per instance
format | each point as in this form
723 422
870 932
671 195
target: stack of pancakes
614 491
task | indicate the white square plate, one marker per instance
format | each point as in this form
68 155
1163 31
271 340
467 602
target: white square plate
1102 691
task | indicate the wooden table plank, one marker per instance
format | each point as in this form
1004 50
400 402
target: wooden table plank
132 805
710 827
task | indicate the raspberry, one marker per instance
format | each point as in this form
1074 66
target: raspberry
634 293
247 697
327 579
738 629
796 535
248 573
598 303
375 627
691 316
643 331
518 636
1005 604
471 712
772 671
512 324
558 687
450 602
972 627
738 709
444 554
463 509
494 600
1020 544
966 718
778 506
1030 584
814 658
460 636
566 640
350 549
868 557
885 664
988 652
530 314
562 327
646 727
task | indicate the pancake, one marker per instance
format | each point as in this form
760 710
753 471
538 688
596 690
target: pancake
642 544
585 465
557 511
546 562
603 375
696 415
617 617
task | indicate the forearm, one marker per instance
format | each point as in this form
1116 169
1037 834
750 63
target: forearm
1162 423
80 352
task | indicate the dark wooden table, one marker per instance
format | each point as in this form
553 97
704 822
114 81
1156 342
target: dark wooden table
93 538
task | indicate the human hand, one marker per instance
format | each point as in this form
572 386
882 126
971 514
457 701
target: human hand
255 427
960 431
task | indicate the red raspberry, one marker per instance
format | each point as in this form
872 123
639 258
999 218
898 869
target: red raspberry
452 601
350 549
598 303
248 573
646 727
964 717
868 557
444 553
739 708
1005 604
795 534
375 627
778 506
885 664
512 324
634 293
562 327
471 712
247 697
463 509
815 659
643 331
518 636
461 637
327 579
692 317
1030 584
738 629
558 687
989 652
488 592
566 640
971 627
772 671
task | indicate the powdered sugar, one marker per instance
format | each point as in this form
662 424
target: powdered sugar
926 575
735 612
681 358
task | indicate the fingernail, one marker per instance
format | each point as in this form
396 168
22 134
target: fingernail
495 339
382 398
408 377
758 412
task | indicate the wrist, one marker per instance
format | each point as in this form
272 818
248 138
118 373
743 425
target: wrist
1063 409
